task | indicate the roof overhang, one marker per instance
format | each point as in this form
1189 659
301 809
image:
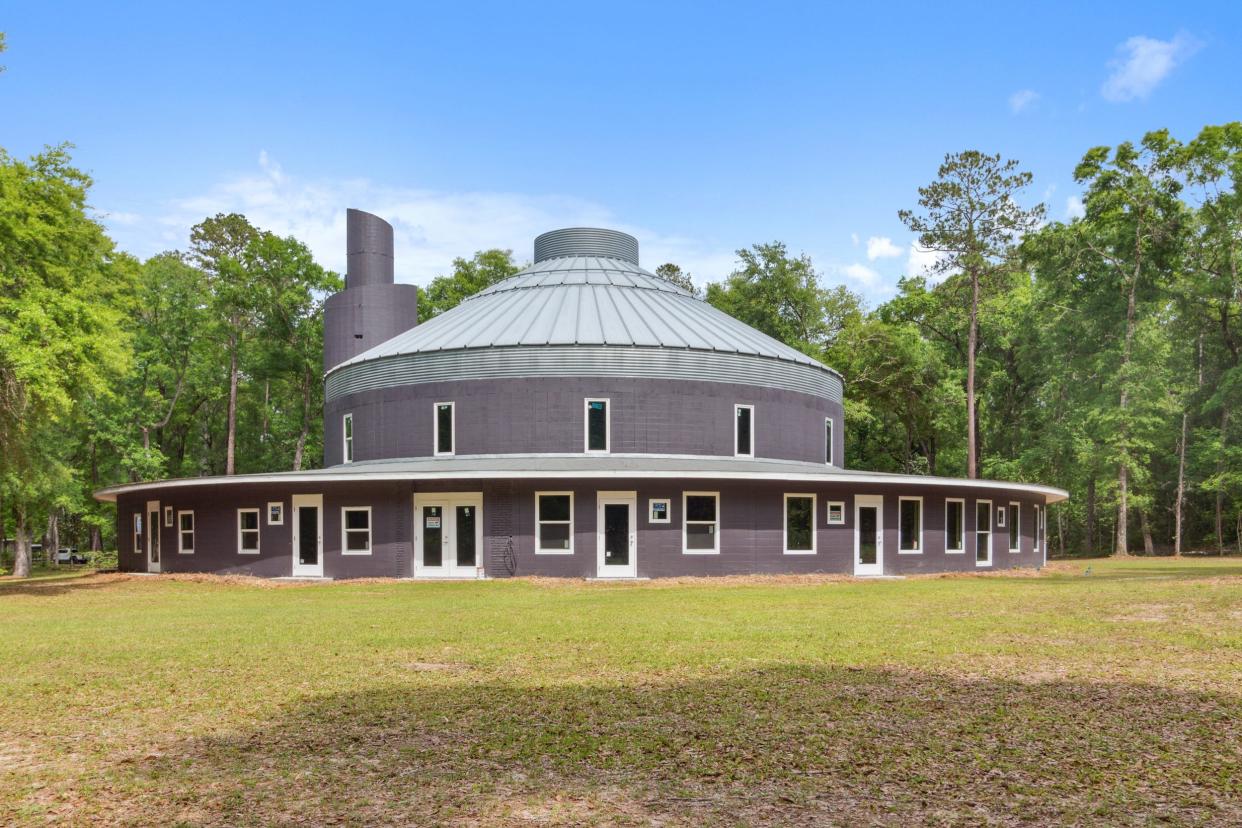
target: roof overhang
582 467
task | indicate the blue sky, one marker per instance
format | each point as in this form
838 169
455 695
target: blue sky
700 128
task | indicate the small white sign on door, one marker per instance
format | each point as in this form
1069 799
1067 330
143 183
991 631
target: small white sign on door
433 523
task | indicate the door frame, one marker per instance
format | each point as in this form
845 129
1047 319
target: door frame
629 499
153 536
448 501
876 568
991 532
297 502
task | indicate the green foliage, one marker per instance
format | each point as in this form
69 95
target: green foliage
674 274
469 276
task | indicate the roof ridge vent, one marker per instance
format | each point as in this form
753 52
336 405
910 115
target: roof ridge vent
586 241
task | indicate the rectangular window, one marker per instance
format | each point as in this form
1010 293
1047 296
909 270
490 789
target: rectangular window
744 415
347 435
658 510
185 533
836 513
1015 527
138 532
356 530
168 517
248 531
983 532
910 525
275 514
954 525
597 425
554 516
444 428
700 522
1000 517
828 440
799 524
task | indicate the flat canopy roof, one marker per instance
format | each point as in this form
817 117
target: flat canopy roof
585 467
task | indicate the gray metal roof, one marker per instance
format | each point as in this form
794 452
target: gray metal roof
587 467
585 300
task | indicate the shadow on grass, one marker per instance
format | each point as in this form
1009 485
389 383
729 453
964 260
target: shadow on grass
58 584
781 746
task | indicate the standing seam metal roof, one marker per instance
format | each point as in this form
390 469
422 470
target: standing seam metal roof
585 300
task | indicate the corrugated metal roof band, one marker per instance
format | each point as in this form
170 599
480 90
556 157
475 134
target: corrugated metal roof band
581 361
586 241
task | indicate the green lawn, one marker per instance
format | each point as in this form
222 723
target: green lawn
1109 698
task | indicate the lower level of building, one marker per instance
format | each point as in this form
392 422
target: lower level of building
598 528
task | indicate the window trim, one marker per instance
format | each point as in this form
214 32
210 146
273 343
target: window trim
138 533
1015 527
785 525
258 530
181 550
991 530
345 531
586 425
685 521
668 509
435 429
736 452
921 543
279 504
1001 512
828 504
347 437
829 435
947 550
168 517
538 522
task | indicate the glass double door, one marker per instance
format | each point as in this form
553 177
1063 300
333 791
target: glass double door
448 535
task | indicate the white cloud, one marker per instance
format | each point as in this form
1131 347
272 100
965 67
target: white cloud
923 262
882 247
854 238
1074 208
860 273
1142 63
430 228
1022 99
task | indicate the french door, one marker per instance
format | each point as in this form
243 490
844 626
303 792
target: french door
448 535
308 536
868 535
615 535
153 536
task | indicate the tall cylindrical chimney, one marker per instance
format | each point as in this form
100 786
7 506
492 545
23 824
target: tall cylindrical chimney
368 250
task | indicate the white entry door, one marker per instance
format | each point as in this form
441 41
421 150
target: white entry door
448 535
868 535
615 535
153 536
307 536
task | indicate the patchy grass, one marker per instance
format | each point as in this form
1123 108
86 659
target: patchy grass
1110 699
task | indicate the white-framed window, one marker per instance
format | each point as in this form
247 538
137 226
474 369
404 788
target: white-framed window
743 431
836 512
445 414
1039 529
983 533
355 530
275 513
554 523
598 425
700 523
909 525
138 533
347 438
1015 527
185 532
247 531
954 526
168 517
828 440
799 530
659 510
1000 517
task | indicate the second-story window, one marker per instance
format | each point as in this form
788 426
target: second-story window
743 437
597 425
828 440
444 428
347 438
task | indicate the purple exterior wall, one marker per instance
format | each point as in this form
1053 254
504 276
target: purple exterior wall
358 319
751 523
546 414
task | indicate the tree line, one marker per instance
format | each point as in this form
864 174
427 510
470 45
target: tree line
1099 354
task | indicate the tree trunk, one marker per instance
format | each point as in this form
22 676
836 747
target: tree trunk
972 343
1093 526
231 444
1149 548
52 543
96 539
21 551
1123 467
1220 494
1181 490
1060 532
302 436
